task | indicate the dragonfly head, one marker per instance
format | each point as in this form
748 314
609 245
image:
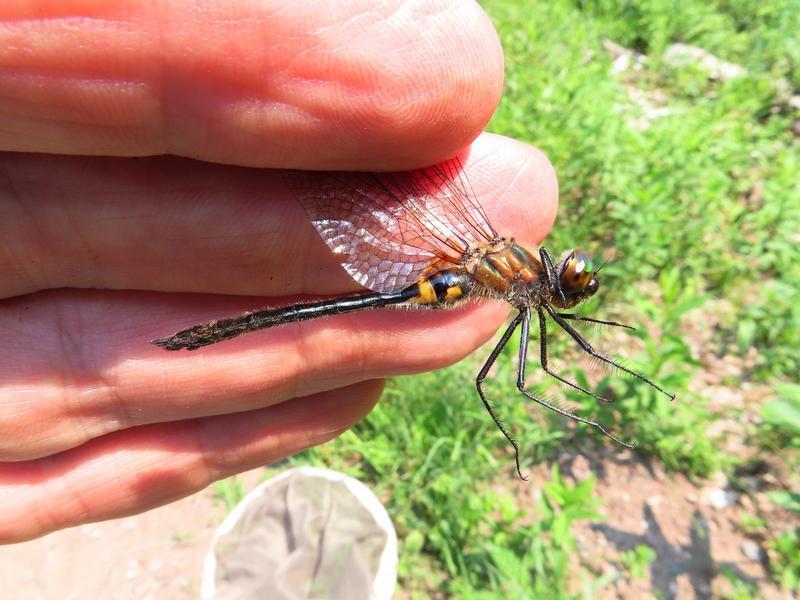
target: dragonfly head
578 279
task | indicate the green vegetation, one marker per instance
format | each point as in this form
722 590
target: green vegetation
690 185
637 561
228 492
786 560
740 590
781 417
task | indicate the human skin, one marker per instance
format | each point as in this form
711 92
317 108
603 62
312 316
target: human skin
130 208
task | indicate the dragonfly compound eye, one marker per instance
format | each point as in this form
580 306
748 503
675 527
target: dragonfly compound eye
578 273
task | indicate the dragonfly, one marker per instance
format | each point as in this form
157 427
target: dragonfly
422 239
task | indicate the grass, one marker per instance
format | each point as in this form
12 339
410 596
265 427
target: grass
786 558
781 433
638 560
228 492
699 207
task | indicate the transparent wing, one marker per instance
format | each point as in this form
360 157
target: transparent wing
389 227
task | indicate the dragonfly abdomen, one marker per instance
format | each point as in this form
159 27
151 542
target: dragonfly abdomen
445 287
225 329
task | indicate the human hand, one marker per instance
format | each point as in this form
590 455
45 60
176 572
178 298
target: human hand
102 253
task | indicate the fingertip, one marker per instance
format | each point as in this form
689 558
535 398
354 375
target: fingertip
517 184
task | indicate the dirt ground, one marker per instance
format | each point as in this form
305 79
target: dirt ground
696 532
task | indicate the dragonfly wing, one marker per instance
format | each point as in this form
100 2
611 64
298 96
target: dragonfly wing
387 228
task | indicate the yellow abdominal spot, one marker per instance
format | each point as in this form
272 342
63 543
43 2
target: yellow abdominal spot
427 295
453 292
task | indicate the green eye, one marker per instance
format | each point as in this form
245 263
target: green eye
581 263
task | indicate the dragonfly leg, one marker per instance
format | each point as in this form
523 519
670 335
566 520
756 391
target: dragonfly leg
523 352
545 366
587 347
574 317
479 384
553 280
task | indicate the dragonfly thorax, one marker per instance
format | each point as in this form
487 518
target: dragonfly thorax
509 271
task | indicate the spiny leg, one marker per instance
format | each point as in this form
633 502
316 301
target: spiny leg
587 347
554 283
482 376
523 355
543 359
574 317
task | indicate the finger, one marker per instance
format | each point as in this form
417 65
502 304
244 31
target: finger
175 225
138 469
386 85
